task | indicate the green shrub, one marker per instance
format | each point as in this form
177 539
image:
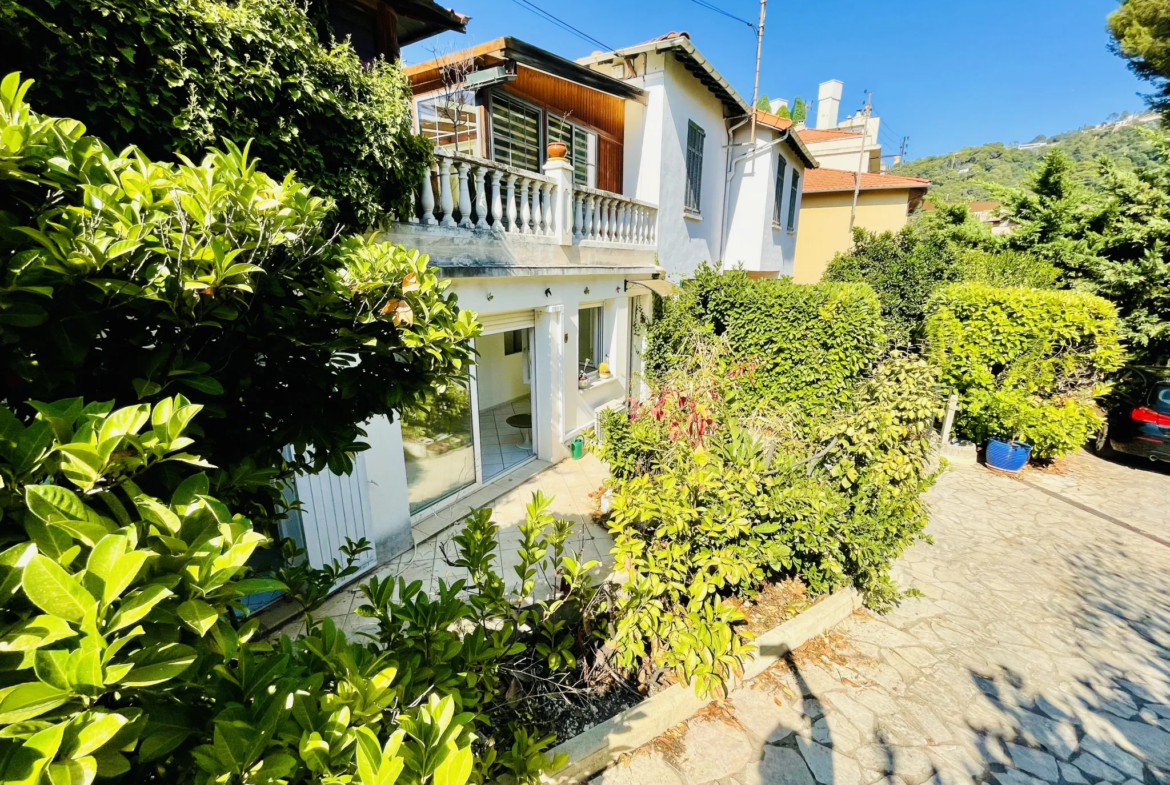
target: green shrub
1027 363
715 504
177 77
903 269
120 658
132 280
799 346
1005 267
945 246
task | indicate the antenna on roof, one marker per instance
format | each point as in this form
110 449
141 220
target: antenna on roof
759 51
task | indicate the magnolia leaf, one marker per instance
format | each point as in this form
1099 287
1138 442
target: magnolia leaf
12 563
54 590
138 605
111 763
104 556
410 283
125 571
160 664
38 631
52 667
95 730
124 422
198 615
257 586
28 700
54 503
453 771
77 771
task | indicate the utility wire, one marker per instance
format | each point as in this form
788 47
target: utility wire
568 28
718 10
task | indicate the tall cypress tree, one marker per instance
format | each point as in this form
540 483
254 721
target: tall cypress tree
799 110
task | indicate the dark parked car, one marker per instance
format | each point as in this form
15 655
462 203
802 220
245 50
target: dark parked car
1138 415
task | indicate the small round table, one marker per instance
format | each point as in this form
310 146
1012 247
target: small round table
524 423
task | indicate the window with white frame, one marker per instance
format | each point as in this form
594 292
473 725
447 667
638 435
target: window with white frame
590 338
451 121
793 198
695 138
778 198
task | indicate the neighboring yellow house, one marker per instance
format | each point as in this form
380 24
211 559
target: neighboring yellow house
884 203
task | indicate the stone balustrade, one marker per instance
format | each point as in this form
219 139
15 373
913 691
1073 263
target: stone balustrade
472 193
603 216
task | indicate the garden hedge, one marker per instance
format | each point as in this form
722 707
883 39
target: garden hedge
212 280
1027 363
802 345
179 76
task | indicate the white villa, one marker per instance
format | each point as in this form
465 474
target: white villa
658 172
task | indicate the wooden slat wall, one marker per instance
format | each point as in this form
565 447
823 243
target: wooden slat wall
602 111
593 109
609 165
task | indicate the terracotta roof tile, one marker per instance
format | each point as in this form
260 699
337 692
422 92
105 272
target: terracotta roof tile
838 180
773 121
808 135
667 37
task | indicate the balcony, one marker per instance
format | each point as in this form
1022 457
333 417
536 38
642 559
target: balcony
479 217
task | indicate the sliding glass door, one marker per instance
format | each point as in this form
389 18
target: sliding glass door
437 437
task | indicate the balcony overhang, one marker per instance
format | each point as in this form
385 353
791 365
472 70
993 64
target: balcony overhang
659 286
427 76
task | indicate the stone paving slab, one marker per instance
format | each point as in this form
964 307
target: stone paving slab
1039 653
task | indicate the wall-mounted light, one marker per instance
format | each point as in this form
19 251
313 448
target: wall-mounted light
586 290
491 297
548 292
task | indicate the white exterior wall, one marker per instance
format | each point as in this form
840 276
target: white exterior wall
561 410
685 242
565 410
655 161
753 239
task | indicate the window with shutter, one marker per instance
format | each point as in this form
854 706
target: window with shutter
695 138
777 208
515 133
793 197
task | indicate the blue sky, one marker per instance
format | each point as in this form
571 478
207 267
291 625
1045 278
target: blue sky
946 73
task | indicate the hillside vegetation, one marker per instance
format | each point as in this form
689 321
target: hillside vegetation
963 176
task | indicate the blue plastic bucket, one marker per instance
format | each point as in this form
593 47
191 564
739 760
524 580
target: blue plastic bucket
1007 456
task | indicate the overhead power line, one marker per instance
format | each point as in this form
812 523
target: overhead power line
568 28
718 10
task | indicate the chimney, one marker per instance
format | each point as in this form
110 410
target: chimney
828 103
777 105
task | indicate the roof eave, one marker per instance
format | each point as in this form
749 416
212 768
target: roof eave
904 187
435 18
540 60
731 99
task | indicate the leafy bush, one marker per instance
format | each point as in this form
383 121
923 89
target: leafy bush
945 246
711 502
177 77
119 655
903 269
133 280
799 346
1007 268
1026 363
473 643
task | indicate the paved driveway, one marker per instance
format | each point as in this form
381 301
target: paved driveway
1040 650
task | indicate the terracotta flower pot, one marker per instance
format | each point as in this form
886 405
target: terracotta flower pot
558 150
